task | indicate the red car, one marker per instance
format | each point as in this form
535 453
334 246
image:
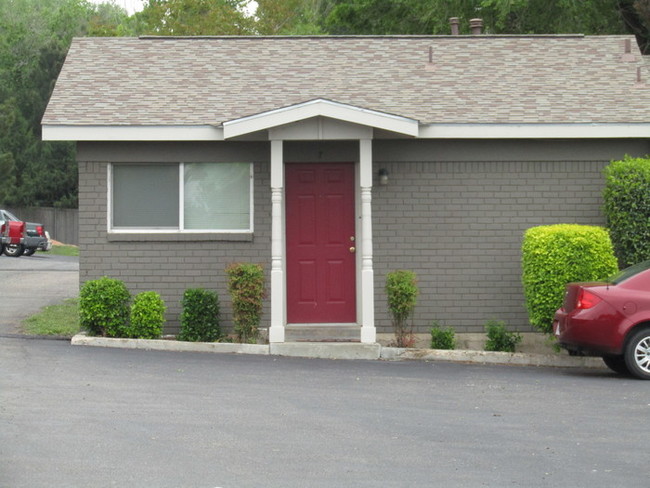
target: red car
610 319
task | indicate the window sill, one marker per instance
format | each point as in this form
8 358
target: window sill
179 237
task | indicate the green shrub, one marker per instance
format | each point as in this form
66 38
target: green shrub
442 338
499 338
147 316
401 293
246 287
104 307
555 255
199 316
627 208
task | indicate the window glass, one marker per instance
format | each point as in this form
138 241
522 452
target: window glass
145 195
217 196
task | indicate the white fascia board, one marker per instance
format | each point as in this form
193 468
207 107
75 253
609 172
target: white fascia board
320 108
534 131
131 133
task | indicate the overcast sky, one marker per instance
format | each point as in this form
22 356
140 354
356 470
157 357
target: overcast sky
131 6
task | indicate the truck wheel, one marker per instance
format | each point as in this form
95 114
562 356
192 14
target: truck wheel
637 354
29 251
14 250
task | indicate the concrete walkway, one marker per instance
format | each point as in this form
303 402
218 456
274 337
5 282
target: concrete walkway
325 350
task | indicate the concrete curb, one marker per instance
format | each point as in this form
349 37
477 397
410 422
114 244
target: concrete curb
345 350
163 345
487 357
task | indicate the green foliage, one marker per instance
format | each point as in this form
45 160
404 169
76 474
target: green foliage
555 255
627 208
442 338
200 316
499 338
401 293
104 307
194 17
246 287
56 320
147 316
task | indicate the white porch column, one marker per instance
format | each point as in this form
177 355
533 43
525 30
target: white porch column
276 331
368 330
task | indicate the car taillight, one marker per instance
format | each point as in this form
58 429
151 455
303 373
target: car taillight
587 300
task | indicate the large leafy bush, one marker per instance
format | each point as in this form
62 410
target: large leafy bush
200 316
147 316
104 307
627 208
555 255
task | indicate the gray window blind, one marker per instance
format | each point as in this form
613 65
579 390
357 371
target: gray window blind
145 195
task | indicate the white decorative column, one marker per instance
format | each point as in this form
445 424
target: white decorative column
368 330
276 331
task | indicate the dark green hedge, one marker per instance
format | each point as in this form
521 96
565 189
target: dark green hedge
555 255
200 316
627 208
104 307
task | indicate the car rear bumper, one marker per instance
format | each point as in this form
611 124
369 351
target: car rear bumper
586 331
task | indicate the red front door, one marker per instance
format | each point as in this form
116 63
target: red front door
321 277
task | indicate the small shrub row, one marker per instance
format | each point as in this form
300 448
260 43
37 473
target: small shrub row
498 337
105 309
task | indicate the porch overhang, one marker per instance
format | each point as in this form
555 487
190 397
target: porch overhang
320 108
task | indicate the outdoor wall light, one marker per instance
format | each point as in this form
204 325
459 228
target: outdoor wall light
383 176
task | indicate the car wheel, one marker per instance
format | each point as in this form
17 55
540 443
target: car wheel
637 354
616 364
14 250
29 251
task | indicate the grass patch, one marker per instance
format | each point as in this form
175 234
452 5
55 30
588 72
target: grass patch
58 320
63 250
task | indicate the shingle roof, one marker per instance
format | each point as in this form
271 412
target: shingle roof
470 79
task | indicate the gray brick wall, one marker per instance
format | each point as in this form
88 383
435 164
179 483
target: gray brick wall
454 211
168 267
459 225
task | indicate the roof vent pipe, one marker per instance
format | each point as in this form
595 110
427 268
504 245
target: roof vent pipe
454 22
476 26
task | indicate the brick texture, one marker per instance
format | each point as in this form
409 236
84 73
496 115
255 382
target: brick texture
459 225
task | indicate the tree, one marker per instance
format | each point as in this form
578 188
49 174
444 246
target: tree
194 18
34 38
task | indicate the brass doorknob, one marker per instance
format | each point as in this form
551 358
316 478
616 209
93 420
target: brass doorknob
353 249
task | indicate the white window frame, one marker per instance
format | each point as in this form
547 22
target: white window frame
181 198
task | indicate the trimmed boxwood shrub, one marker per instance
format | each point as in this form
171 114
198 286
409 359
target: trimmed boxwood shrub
442 338
147 316
199 316
555 255
401 293
499 338
627 208
104 307
246 287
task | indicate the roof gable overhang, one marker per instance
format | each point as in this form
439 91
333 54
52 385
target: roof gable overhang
320 109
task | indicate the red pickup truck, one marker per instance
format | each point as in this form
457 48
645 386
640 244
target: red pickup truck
19 238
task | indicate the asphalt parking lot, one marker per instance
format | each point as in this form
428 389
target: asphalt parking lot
29 283
102 417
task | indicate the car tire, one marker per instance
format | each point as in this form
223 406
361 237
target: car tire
29 251
616 364
14 250
637 354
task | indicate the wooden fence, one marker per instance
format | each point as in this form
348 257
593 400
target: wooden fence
61 223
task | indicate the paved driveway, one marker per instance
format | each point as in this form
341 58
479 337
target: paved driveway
29 283
92 417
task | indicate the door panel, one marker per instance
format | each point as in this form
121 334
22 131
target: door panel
321 269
